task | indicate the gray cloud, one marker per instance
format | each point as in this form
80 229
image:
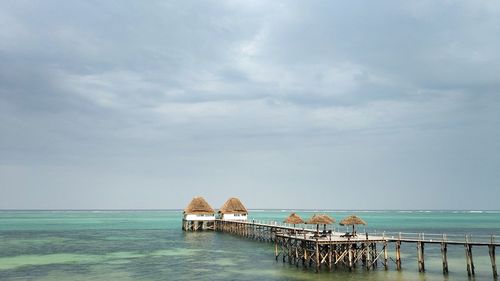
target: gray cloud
132 105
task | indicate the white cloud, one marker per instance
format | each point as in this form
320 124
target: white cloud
118 89
292 84
191 112
11 32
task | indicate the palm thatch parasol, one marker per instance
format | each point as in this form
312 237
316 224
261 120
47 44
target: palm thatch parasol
352 220
318 219
294 219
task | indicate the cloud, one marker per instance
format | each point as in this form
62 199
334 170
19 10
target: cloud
208 89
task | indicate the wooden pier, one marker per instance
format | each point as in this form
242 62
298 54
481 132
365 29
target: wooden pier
308 248
330 250
443 240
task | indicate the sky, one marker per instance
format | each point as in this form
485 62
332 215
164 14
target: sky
284 104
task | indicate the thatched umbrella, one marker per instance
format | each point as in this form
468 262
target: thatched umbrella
318 219
352 220
294 219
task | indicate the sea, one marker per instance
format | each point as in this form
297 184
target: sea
150 245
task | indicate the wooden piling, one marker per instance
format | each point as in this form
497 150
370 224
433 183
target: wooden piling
285 248
276 250
304 260
420 254
317 257
493 261
386 255
330 257
368 261
398 254
350 256
444 257
296 261
469 260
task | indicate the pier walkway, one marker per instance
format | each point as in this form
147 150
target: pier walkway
305 246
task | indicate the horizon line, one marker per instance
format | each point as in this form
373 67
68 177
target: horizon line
250 209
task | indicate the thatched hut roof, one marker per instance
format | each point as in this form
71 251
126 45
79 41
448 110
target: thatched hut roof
233 206
352 220
321 219
199 206
294 219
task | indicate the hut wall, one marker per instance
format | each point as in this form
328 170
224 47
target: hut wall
199 217
234 217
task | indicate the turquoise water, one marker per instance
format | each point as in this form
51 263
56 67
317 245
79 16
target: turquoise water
149 245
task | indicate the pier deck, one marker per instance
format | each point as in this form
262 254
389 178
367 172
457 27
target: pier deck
313 249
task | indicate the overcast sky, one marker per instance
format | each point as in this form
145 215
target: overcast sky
285 104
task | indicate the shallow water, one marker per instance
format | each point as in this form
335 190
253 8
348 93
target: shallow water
149 245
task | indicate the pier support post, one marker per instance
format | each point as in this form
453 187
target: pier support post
330 257
317 257
364 251
493 261
335 254
296 253
468 257
420 252
398 255
284 246
386 255
304 260
368 261
276 250
349 252
444 256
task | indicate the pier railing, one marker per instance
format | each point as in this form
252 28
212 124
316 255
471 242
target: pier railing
439 238
455 238
409 236
306 227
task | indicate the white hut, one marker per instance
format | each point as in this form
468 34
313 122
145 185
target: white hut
233 210
198 215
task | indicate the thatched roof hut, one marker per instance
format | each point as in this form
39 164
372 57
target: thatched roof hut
352 220
321 219
199 206
233 206
294 219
